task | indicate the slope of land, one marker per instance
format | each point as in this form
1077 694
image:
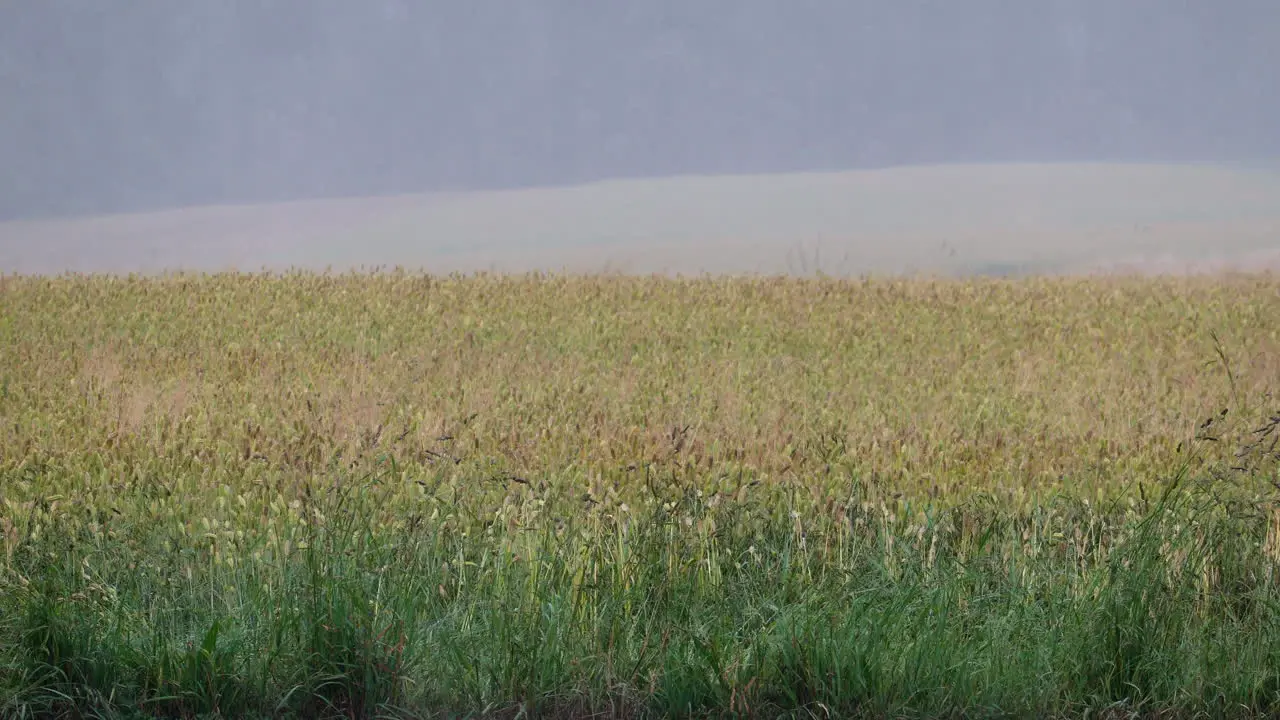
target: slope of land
988 219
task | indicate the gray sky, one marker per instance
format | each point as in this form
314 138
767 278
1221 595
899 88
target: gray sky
146 104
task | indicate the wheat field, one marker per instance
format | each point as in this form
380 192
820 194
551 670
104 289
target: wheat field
401 494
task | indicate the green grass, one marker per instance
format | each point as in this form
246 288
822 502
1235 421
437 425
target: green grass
691 607
252 497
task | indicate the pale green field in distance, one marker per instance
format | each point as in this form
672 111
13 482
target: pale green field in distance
987 219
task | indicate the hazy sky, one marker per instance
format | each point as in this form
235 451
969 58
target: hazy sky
110 106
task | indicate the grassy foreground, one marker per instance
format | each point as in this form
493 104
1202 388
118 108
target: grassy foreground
399 495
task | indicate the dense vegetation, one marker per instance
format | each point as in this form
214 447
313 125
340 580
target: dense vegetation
402 495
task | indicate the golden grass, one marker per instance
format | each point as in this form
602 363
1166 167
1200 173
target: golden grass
918 387
322 464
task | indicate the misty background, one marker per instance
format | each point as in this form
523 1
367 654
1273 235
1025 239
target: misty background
110 107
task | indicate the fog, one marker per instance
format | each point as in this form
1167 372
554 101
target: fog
154 105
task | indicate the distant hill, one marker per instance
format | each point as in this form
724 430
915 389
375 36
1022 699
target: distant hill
990 219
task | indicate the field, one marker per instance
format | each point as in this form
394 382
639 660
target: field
984 219
404 495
